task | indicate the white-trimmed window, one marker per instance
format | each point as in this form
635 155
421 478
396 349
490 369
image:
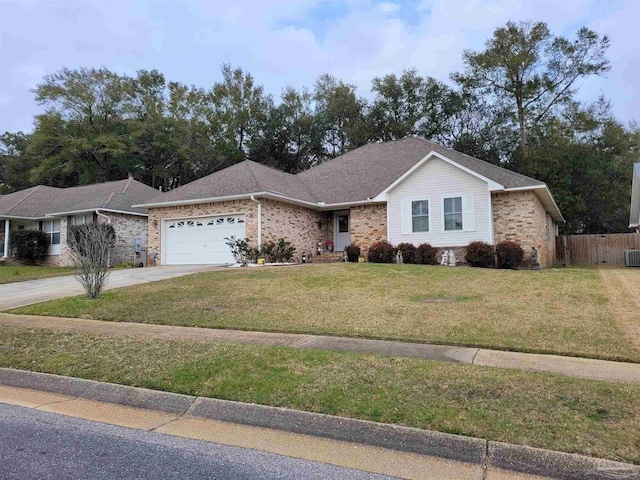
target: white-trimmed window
419 216
52 229
452 210
82 219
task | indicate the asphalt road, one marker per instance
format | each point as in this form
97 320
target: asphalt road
41 445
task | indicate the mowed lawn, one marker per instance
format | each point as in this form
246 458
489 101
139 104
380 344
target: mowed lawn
10 274
541 410
563 311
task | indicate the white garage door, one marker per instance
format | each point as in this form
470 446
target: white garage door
201 241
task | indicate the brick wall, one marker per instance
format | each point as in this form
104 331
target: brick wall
302 226
156 215
521 217
127 228
368 225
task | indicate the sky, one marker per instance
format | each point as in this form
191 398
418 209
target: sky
290 42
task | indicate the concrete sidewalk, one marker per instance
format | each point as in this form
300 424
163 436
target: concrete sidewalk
19 294
364 445
570 366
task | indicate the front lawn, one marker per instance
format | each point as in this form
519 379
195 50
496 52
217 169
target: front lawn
541 410
564 311
10 274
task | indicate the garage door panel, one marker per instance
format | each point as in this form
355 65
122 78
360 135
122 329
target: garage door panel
202 240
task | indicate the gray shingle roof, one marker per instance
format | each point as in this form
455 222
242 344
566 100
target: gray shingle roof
240 179
356 176
38 201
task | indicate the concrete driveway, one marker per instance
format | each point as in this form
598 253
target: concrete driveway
19 294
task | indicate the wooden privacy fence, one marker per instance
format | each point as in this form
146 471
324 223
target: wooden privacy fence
595 249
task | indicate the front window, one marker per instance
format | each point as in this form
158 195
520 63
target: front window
52 229
453 213
82 219
420 215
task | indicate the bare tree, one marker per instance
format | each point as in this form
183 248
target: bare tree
90 248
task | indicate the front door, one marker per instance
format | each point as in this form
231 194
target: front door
342 230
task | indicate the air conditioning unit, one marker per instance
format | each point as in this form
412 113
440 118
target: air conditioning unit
632 258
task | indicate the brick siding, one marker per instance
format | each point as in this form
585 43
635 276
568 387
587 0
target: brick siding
368 225
301 226
520 217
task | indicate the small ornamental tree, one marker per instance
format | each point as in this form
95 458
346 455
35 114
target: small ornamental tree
353 253
408 251
381 252
29 245
90 250
426 254
480 254
509 255
239 249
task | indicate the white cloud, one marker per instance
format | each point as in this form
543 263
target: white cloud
282 42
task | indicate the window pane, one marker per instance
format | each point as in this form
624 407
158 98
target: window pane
420 207
421 224
453 221
343 224
56 226
453 205
55 239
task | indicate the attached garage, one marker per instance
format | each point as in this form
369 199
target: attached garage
201 241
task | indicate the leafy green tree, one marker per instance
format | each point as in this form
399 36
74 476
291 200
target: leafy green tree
340 115
242 108
84 124
410 105
15 164
529 72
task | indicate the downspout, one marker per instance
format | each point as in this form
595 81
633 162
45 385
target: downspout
253 199
103 216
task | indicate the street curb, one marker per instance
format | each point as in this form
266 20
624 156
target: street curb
395 437
549 463
98 391
472 450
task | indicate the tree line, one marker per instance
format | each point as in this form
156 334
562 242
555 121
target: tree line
514 104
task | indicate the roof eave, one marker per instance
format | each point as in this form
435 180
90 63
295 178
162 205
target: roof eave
87 210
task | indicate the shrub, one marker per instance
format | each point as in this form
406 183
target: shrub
408 251
239 249
277 252
29 245
509 254
381 252
353 252
480 254
90 249
426 254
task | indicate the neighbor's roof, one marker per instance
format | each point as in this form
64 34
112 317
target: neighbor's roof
634 215
357 176
42 200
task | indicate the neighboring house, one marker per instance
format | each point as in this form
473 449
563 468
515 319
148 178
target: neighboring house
409 190
634 217
54 210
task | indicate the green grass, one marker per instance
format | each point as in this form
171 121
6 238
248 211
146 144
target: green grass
562 311
541 410
10 274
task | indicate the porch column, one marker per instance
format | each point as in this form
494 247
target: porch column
5 254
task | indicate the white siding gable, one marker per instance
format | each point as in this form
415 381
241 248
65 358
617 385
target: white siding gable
436 180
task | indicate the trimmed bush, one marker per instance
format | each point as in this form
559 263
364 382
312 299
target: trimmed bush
353 252
426 254
509 255
280 251
29 245
408 251
381 252
480 254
